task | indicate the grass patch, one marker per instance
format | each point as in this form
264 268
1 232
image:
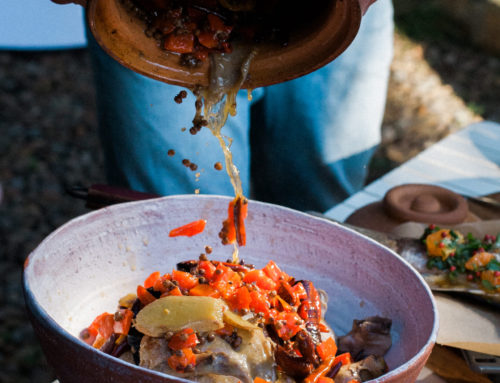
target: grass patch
426 21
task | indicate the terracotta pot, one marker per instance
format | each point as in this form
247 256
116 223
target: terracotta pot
84 267
122 36
413 203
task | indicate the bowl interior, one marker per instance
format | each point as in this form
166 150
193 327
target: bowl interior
122 36
84 267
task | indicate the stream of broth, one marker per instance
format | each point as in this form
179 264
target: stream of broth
216 102
228 72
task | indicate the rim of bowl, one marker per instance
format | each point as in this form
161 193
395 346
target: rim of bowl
41 314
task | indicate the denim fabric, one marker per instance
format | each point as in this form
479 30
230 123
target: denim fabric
304 144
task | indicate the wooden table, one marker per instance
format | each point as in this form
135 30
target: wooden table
467 162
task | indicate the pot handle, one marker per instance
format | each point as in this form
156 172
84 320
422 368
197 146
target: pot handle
100 195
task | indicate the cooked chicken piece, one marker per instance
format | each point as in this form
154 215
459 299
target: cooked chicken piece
154 353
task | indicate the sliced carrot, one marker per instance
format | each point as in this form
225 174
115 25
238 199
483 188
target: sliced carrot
182 43
242 299
326 365
260 279
208 39
217 25
180 362
260 380
324 379
233 228
259 303
188 230
274 272
184 279
240 214
326 348
176 292
208 267
344 358
161 284
323 368
144 295
103 324
204 290
123 322
288 325
299 291
150 281
185 338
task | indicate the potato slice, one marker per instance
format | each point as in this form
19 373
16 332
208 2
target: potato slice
174 313
235 320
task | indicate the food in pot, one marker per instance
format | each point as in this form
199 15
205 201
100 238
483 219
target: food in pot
194 29
212 321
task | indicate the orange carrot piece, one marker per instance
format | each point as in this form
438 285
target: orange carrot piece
185 338
183 43
180 362
208 39
240 214
204 290
326 348
260 380
150 281
144 295
175 292
103 324
184 279
324 379
344 358
322 369
189 229
122 326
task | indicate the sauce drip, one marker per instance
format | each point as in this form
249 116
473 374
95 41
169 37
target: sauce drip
214 104
228 72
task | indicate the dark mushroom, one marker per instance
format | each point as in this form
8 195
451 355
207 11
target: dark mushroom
370 336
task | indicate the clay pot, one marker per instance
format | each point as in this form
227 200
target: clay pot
122 36
413 203
84 267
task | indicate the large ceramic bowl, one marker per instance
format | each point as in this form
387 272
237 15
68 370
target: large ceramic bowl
84 267
122 36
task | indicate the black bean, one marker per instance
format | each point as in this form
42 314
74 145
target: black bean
210 337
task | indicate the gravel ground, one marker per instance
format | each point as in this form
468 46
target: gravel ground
49 141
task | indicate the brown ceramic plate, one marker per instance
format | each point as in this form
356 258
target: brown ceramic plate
122 36
83 268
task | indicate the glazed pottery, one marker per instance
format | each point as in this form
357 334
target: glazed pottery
84 267
121 34
413 203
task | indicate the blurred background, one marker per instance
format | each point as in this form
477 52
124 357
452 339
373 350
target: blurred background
445 75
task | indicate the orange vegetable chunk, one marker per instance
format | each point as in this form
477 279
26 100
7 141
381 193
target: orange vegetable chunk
189 229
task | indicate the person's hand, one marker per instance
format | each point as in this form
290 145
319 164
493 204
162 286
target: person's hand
364 5
83 3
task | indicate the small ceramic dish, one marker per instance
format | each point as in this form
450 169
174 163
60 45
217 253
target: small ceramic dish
84 267
121 35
